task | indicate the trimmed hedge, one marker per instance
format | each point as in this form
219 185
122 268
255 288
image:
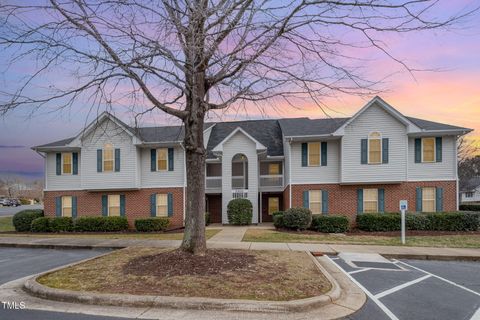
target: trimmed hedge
60 224
297 218
278 221
329 224
239 212
207 218
101 224
40 225
22 221
152 224
470 207
454 221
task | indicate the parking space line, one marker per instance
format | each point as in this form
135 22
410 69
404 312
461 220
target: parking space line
438 277
476 315
361 270
368 293
400 287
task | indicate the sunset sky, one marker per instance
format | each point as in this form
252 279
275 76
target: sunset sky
449 95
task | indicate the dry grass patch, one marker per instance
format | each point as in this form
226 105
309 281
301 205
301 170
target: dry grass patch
467 240
227 274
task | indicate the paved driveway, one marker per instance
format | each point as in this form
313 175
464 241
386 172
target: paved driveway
414 289
10 211
17 263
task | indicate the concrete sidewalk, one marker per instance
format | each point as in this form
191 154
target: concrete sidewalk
229 243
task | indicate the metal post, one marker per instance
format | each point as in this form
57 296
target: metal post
403 226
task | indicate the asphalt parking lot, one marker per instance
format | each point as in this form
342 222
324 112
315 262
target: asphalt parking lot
10 211
416 289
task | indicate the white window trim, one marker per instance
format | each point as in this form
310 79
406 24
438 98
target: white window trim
156 162
368 147
319 154
71 205
364 201
434 199
103 158
310 200
108 204
157 204
71 163
434 150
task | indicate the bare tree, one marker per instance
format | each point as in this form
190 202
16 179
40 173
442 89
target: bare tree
190 57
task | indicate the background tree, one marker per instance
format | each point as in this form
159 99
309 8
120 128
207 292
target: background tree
191 57
468 161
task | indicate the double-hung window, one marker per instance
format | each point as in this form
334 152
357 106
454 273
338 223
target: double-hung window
374 148
114 205
428 150
67 163
108 158
314 154
66 206
428 199
162 159
162 205
370 200
315 201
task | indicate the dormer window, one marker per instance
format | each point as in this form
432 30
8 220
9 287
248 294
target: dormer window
375 148
108 158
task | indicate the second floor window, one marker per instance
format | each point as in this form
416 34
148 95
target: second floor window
428 149
374 148
273 168
108 158
162 159
314 154
67 163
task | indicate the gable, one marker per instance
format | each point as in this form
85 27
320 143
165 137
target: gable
106 131
376 118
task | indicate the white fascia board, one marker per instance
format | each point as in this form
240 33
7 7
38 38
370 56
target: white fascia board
449 132
219 147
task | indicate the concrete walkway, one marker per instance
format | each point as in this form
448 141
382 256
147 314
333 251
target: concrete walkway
228 242
229 234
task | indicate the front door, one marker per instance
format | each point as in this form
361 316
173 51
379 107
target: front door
271 202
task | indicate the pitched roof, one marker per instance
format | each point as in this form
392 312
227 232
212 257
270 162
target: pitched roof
471 184
267 132
310 127
59 143
430 125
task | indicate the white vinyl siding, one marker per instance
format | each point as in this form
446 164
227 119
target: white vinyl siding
376 119
55 182
310 175
239 143
109 132
445 170
154 179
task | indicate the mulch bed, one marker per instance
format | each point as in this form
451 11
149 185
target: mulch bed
212 263
357 232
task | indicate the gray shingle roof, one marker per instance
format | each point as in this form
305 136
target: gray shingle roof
267 132
310 127
430 125
59 143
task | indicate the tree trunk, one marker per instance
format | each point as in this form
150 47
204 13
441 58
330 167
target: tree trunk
194 236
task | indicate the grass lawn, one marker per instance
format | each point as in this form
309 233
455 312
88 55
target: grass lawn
128 235
231 274
452 241
6 224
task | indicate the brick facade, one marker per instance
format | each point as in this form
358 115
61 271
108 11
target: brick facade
137 203
342 199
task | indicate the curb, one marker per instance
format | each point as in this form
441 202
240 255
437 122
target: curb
34 288
58 246
430 257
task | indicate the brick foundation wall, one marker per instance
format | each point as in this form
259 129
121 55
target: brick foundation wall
342 199
137 203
